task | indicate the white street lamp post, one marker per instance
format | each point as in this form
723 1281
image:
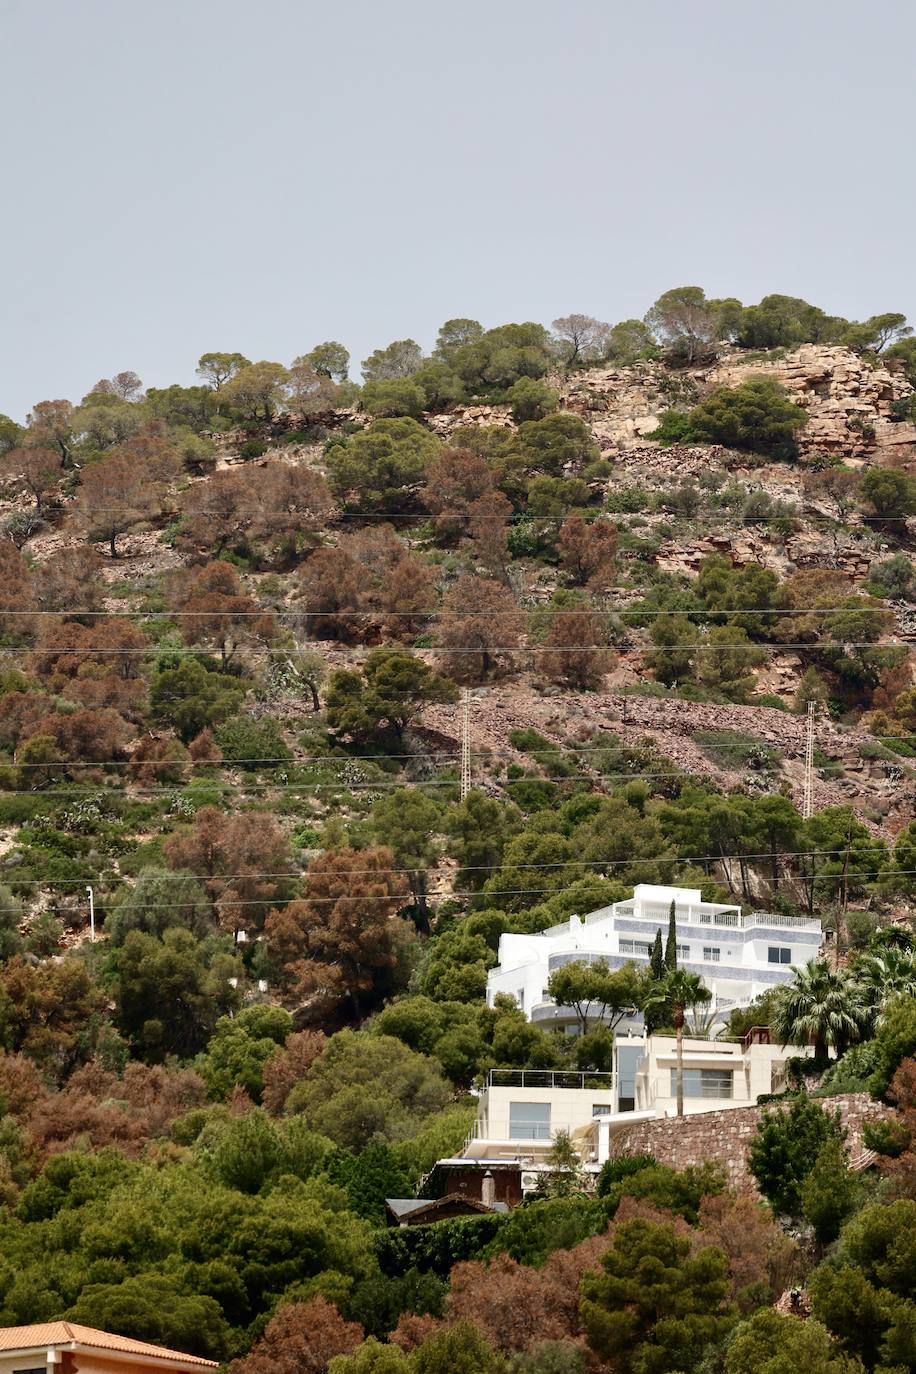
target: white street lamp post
91 914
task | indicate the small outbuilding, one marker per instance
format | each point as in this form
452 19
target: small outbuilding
416 1211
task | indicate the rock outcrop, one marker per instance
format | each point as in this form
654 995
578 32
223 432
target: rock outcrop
849 401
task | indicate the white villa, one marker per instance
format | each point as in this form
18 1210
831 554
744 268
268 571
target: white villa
521 1111
737 956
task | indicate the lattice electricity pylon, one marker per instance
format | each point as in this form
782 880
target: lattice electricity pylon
465 743
807 803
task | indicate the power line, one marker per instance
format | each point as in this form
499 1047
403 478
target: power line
145 789
632 610
694 646
549 747
765 854
462 895
716 515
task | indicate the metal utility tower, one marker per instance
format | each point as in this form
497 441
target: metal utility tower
809 761
465 743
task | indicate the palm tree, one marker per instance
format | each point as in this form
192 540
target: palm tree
679 990
898 937
822 1006
883 975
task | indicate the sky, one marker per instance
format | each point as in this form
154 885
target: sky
202 175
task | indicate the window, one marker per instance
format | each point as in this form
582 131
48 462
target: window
712 954
40 1370
635 947
529 1120
704 1083
628 1057
779 954
520 998
601 1109
683 951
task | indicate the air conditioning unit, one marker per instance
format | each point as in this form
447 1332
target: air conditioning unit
529 1182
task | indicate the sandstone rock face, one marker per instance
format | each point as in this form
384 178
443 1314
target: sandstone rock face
847 400
848 404
470 415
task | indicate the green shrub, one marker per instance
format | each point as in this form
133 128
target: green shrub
785 1150
830 1191
888 1138
756 416
437 1247
531 399
673 428
532 1232
770 699
253 448
255 743
306 837
674 1190
624 1166
737 750
626 500
894 1041
852 1072
524 539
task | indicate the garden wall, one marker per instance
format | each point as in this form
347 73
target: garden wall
725 1136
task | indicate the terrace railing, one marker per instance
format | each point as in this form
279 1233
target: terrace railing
550 1078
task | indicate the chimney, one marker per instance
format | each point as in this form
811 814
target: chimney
488 1189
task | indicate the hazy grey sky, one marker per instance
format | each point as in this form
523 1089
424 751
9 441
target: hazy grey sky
211 174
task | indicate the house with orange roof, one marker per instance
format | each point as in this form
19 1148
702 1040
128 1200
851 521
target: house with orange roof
67 1348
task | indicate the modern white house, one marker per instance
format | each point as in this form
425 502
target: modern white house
522 1111
737 956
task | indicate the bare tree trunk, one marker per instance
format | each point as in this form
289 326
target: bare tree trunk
679 1030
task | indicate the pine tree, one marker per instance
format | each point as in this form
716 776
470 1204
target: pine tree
670 943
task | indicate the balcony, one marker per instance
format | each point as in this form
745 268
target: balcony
771 920
550 1078
728 918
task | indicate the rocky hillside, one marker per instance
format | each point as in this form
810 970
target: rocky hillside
676 603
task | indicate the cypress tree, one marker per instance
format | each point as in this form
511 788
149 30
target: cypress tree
656 961
656 1016
671 942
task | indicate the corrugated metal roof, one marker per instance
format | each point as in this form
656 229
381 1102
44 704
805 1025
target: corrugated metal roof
65 1333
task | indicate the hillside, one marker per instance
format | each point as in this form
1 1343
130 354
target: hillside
242 625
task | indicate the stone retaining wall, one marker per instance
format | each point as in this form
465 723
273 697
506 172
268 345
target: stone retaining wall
725 1136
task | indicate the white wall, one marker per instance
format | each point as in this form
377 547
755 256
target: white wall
741 972
756 1070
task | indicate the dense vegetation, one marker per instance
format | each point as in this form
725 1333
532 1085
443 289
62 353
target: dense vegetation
236 618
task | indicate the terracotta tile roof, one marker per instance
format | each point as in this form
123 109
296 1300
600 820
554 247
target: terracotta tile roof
65 1333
